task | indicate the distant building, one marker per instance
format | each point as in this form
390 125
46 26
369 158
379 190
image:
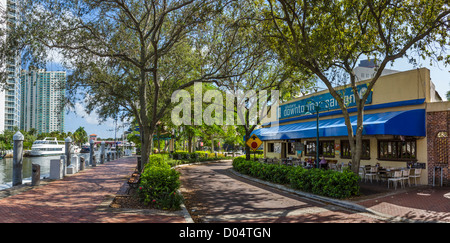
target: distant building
93 137
42 96
368 68
10 92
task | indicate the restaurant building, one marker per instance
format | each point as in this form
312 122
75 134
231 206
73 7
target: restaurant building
406 124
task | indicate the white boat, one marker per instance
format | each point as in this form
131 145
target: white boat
75 149
48 146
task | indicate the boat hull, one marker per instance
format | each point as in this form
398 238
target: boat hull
38 154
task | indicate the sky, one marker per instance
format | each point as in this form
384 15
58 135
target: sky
440 76
91 125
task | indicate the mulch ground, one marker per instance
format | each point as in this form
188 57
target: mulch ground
129 201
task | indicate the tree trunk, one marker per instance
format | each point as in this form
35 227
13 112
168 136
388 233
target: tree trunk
166 145
158 134
146 148
357 148
145 129
247 148
190 144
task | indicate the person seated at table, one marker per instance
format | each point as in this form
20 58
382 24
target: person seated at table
323 163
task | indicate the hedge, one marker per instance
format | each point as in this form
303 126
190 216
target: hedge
197 156
328 183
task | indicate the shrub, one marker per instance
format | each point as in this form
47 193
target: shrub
158 160
159 184
198 156
270 172
321 182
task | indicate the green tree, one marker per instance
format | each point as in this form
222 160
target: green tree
329 37
266 74
29 138
80 136
131 54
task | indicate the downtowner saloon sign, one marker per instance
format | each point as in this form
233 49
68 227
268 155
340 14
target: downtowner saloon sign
300 107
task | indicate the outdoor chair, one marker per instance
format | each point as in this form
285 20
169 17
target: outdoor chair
371 172
396 178
416 175
362 172
405 176
383 174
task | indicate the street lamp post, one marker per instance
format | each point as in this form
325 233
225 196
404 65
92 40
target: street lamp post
317 109
317 138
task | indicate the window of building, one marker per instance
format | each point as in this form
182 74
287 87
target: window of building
270 147
397 150
311 148
326 148
346 152
291 148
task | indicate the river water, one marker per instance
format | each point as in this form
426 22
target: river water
6 168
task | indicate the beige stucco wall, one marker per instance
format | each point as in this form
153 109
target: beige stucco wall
408 85
438 106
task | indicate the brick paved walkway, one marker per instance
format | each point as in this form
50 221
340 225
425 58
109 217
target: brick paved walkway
416 204
84 198
218 196
80 198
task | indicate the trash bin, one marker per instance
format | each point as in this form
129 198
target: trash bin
82 163
35 174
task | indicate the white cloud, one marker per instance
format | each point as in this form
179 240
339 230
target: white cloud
91 118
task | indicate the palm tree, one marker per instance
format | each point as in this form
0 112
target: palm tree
80 136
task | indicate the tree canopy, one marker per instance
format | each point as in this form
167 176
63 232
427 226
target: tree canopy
129 57
330 37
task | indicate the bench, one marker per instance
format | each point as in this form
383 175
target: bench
133 182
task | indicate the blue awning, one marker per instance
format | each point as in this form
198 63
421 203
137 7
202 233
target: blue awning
406 123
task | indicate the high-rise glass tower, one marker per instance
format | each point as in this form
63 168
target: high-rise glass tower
42 98
10 92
